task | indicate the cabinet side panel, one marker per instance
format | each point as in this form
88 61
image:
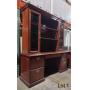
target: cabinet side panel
63 63
20 4
25 31
69 60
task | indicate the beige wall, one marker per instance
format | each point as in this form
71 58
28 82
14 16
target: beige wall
57 7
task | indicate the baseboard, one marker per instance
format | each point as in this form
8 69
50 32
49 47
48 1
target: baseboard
31 84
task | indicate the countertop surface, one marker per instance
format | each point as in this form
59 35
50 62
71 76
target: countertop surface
46 53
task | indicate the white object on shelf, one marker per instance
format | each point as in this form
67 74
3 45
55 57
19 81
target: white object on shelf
67 38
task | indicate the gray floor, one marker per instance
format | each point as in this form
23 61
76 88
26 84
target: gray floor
57 81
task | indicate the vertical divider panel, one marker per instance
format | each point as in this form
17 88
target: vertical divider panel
58 35
29 26
25 30
39 33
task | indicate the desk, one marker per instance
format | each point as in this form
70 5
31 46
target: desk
35 67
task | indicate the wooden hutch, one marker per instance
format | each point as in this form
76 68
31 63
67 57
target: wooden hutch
43 51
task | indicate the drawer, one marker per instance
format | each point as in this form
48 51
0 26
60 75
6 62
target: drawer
36 62
36 74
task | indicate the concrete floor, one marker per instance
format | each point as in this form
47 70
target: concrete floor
57 81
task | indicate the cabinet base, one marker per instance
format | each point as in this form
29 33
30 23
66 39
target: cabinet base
69 66
62 70
31 84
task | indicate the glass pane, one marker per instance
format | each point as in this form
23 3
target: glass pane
34 32
47 33
34 18
48 45
67 39
61 39
50 23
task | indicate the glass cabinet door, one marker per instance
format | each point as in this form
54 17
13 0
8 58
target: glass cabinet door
48 34
61 36
34 31
67 39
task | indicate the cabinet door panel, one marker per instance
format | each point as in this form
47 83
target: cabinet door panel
36 63
63 64
25 68
36 74
34 30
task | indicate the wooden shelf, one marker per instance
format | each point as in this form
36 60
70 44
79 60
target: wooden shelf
33 51
60 51
50 28
47 38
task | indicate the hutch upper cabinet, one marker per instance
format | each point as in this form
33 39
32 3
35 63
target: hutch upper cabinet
31 24
40 32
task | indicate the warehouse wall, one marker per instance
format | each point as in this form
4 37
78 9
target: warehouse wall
43 4
61 9
57 7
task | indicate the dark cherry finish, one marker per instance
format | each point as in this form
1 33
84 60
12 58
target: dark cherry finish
25 31
20 4
36 62
32 70
25 68
63 63
36 74
33 65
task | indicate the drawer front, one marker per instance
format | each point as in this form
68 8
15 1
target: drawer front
36 74
36 62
